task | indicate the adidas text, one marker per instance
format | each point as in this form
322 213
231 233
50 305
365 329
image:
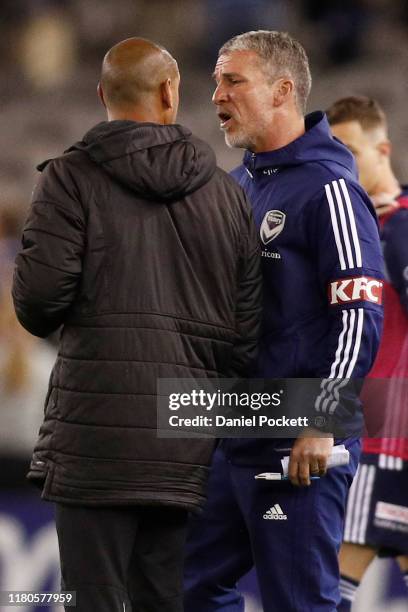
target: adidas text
275 514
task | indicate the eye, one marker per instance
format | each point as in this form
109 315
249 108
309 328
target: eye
234 80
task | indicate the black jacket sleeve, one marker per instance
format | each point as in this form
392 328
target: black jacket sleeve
249 300
48 268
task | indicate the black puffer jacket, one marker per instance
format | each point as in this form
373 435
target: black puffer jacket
146 253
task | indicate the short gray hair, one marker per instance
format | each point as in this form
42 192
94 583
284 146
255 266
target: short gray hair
282 54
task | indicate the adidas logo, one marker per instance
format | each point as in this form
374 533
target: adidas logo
275 514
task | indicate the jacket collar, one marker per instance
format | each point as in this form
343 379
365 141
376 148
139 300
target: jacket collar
316 144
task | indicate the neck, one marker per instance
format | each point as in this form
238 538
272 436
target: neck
286 128
141 115
387 183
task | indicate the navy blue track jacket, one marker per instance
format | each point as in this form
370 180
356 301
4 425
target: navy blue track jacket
322 262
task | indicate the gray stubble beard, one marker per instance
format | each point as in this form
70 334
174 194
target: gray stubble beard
238 141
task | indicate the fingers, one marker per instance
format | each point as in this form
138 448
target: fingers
306 465
308 458
304 472
299 471
318 465
293 471
314 467
322 465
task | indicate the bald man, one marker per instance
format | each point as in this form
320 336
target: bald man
140 81
123 248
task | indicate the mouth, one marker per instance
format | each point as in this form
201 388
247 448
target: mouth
225 120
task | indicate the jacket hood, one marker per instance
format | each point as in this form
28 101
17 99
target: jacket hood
162 162
317 144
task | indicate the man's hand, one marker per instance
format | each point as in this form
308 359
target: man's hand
309 456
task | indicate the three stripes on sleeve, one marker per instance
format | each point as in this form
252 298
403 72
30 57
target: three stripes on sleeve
350 258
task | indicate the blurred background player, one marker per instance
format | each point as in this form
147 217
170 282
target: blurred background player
377 512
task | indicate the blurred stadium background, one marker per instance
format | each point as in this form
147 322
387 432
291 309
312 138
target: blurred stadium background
50 56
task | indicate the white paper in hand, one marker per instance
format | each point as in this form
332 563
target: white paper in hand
339 456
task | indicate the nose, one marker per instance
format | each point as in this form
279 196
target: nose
219 95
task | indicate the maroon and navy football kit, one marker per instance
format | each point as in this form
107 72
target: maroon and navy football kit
377 509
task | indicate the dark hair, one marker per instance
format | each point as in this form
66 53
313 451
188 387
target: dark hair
365 110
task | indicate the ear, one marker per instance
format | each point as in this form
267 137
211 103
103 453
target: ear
100 94
283 91
167 95
384 148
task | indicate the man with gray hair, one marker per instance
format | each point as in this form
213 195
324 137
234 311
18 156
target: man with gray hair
320 250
